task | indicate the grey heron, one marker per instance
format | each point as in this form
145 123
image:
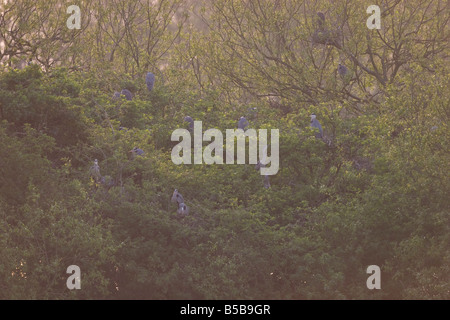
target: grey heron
344 73
128 95
321 19
177 197
95 171
150 81
191 122
116 95
316 125
243 123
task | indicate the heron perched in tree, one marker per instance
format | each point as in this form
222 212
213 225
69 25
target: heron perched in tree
342 70
260 165
150 81
316 124
191 122
243 123
128 95
177 197
116 95
136 152
324 36
183 209
321 19
95 171
344 73
107 182
266 182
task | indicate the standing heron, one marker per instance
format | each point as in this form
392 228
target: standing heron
95 172
150 81
266 182
316 124
344 73
128 95
243 123
177 197
323 35
321 20
191 123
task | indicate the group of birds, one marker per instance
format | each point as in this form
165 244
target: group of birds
322 35
107 181
149 81
243 123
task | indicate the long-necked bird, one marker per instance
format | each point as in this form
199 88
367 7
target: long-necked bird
150 81
95 171
316 124
191 122
344 73
321 20
177 197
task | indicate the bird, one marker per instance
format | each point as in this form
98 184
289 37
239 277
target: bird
316 124
321 19
322 35
260 165
177 197
344 73
136 152
191 122
128 95
342 70
116 95
243 123
150 81
107 182
266 182
183 209
95 171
